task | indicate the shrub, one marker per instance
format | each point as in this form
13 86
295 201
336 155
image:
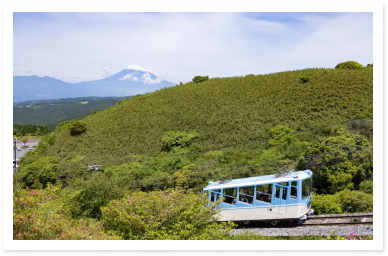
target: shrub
158 180
348 65
367 186
178 140
200 79
24 140
344 201
333 170
304 79
39 172
89 197
38 215
353 236
281 135
175 214
77 128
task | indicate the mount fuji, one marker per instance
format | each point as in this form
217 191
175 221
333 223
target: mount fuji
130 81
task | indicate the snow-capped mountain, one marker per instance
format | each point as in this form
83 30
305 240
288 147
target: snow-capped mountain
130 81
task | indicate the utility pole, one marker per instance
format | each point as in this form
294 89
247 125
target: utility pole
14 154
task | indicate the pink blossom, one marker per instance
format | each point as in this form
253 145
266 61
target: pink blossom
353 233
129 199
162 192
348 238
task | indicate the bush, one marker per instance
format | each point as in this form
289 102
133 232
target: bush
333 170
178 140
367 186
200 79
175 214
90 196
344 201
38 173
348 65
304 79
38 215
77 128
281 135
158 180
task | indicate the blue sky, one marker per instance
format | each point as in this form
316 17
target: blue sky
77 47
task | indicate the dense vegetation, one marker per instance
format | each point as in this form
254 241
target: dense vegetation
177 139
30 129
348 65
53 112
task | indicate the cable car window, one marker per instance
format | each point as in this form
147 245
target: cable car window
246 195
214 197
284 184
230 195
216 190
284 196
263 193
306 188
230 192
247 191
277 192
294 192
264 189
294 183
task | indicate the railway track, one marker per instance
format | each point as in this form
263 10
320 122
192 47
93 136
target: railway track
333 220
321 225
319 220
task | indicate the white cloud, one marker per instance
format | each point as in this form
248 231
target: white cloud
126 77
106 71
179 46
146 78
135 78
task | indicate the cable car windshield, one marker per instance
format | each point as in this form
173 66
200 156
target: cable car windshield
306 188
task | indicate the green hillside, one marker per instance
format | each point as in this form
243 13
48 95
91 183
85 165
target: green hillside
222 110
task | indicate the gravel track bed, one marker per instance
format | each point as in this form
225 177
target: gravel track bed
338 215
312 231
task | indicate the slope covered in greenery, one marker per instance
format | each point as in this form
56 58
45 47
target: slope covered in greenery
222 111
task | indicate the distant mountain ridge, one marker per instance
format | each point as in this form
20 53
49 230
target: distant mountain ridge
130 81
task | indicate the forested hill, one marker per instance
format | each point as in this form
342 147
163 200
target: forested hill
52 112
222 111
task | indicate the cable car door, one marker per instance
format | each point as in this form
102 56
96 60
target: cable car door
280 199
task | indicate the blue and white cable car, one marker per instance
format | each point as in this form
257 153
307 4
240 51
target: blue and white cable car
264 198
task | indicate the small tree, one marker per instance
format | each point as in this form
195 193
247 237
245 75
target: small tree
177 140
200 79
77 128
304 79
348 65
24 140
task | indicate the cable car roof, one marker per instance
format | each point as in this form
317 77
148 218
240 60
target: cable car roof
267 179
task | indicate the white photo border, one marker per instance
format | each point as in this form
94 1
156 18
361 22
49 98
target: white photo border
185 6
